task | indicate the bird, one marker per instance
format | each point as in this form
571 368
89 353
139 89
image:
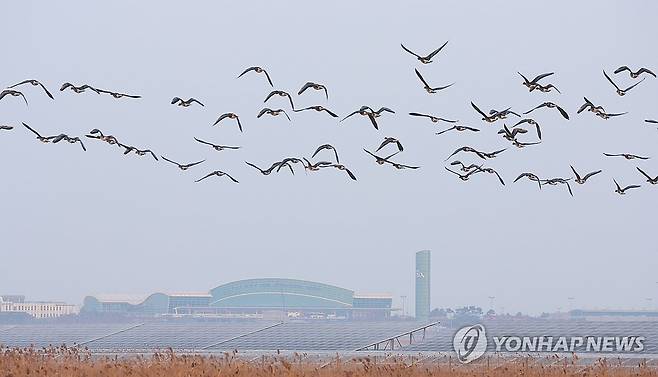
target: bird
459 128
464 168
266 171
13 93
257 70
511 134
547 88
425 59
34 83
4 127
43 139
272 112
78 89
463 177
467 149
314 86
280 93
381 160
180 102
502 114
485 117
550 105
216 146
71 140
493 154
634 75
118 95
345 169
433 118
389 140
589 106
328 147
520 144
182 166
605 115
217 173
581 180
622 191
555 181
530 176
315 167
287 161
97 134
364 111
427 87
381 110
627 156
139 152
651 121
532 122
621 92
653 181
532 85
230 116
480 169
317 108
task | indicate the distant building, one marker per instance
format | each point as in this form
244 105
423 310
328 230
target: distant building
252 298
423 284
614 315
37 309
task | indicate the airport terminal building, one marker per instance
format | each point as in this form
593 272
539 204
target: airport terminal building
269 298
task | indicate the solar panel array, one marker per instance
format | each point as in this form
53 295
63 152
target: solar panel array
45 335
441 340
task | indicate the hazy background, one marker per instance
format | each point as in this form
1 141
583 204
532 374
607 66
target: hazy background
75 223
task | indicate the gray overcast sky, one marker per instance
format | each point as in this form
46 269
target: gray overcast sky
76 223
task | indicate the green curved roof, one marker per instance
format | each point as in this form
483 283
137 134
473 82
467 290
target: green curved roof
276 292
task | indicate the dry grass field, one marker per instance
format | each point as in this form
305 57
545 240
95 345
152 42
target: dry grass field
73 362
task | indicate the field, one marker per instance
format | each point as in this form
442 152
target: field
73 362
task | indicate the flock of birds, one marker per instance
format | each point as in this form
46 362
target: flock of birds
462 170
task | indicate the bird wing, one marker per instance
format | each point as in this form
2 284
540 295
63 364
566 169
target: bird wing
421 78
268 78
292 105
152 154
384 143
409 51
443 87
304 109
194 163
196 100
420 115
330 112
65 85
31 129
616 114
612 155
221 117
576 173
617 184
350 174
239 123
204 177
270 95
621 69
455 152
173 101
247 70
539 77
564 113
433 53
265 110
46 90
640 157
609 79
306 86
230 177
373 121
168 160
20 83
286 114
525 79
478 110
645 70
255 167
534 108
320 148
569 187
352 113
631 187
499 177
627 89
591 174
446 130
651 121
204 142
452 171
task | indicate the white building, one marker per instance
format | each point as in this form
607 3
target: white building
36 309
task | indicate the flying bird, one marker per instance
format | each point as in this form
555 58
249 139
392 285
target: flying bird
520 144
459 128
547 88
464 168
467 149
217 173
230 116
550 105
463 177
381 160
589 106
69 139
97 134
622 191
364 111
532 85
427 87
78 89
5 127
381 111
389 140
139 152
634 75
182 166
511 134
653 181
480 169
492 154
433 118
651 121
317 166
627 156
345 169
621 92
43 139
532 122
555 181
180 102
280 93
13 93
313 86
425 59
216 146
530 176
605 115
272 112
34 83
317 108
502 114
328 147
258 70
266 171
581 180
118 95
485 117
